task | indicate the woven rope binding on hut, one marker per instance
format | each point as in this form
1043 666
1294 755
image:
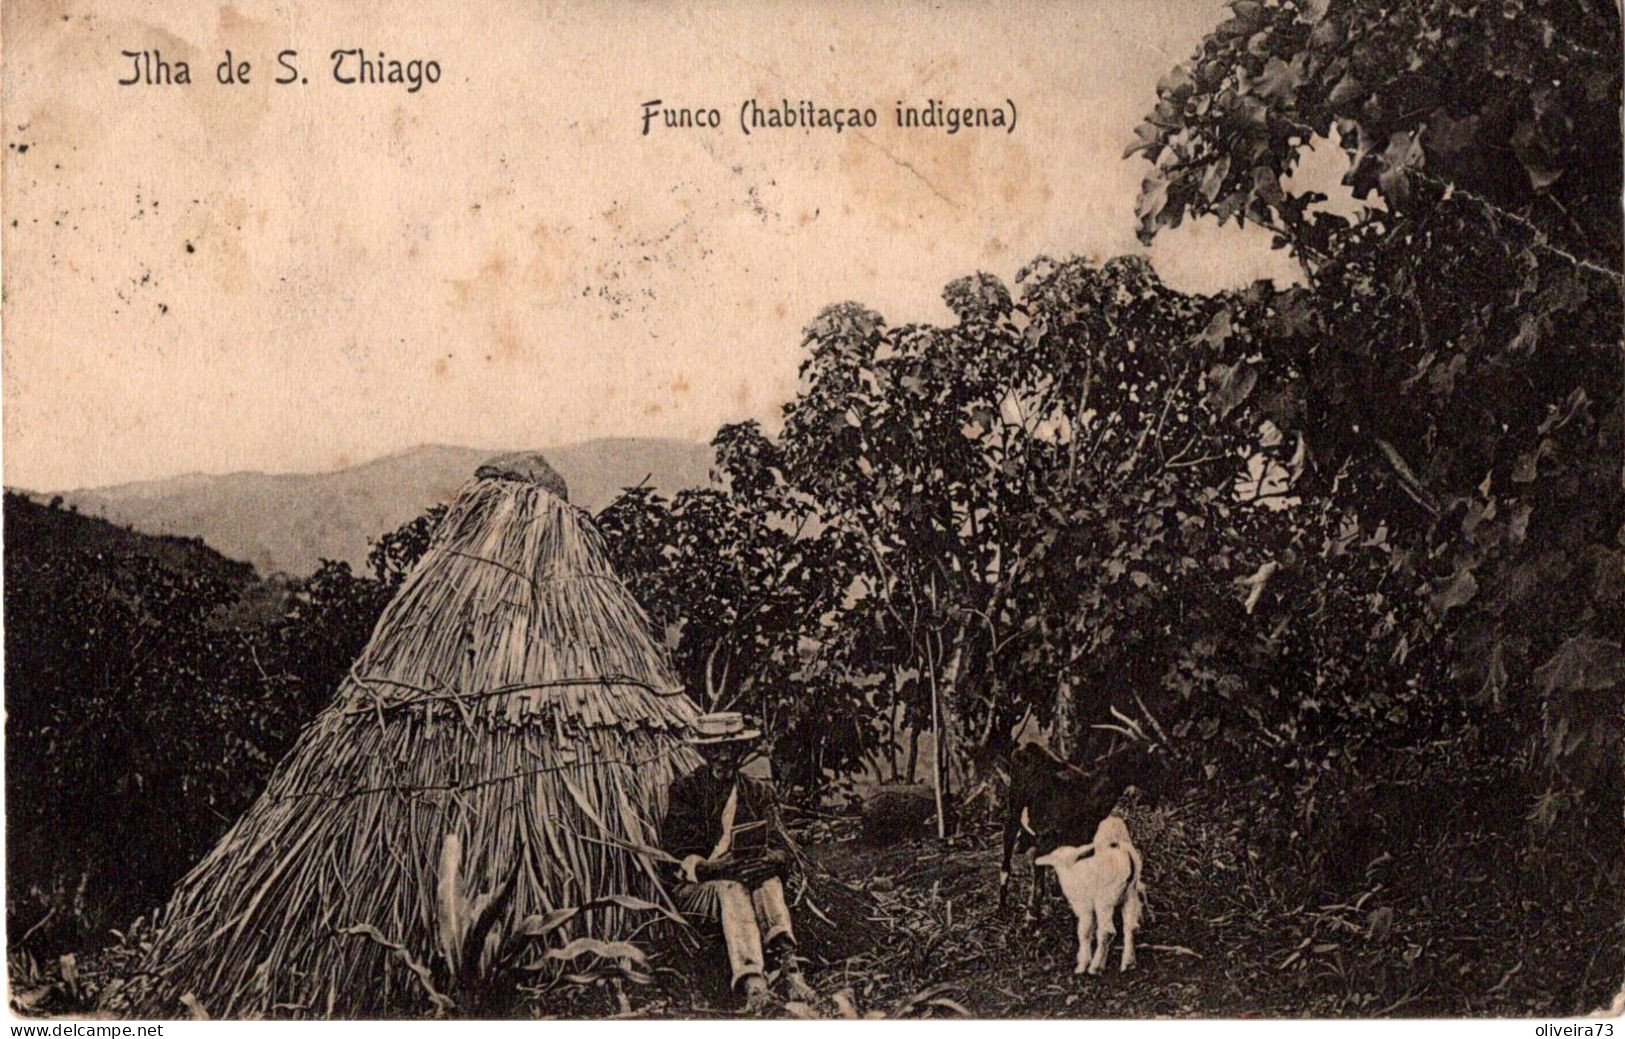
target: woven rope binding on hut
511 694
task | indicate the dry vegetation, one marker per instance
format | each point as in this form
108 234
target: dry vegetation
467 718
1439 922
1355 541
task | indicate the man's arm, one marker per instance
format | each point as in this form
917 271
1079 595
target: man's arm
684 833
774 854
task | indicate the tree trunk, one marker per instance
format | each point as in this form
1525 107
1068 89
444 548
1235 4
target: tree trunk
937 750
993 741
951 678
913 753
890 775
944 724
896 721
1063 731
818 776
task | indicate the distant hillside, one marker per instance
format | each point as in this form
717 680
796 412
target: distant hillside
290 521
36 530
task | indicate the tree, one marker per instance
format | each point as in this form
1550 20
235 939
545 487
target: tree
394 554
1452 363
744 594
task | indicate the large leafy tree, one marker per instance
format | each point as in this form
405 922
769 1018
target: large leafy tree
926 447
746 596
1452 362
1041 491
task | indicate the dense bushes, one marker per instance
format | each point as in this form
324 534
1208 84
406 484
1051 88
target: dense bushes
1451 364
150 686
1301 528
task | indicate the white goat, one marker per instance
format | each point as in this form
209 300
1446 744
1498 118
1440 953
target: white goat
1098 879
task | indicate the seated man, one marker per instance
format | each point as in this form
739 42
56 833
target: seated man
724 827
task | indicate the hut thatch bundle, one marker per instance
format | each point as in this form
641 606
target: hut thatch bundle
511 695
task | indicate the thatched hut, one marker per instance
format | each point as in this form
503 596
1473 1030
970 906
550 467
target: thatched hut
511 695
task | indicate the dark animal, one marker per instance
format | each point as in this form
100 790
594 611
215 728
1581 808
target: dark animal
1052 803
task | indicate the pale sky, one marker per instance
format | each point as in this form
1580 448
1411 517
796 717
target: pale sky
501 259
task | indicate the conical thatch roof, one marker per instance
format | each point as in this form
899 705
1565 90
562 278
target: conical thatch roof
510 694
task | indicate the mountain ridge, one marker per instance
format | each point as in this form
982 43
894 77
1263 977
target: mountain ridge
290 521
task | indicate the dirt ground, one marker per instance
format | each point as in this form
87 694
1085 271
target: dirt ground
1438 916
1462 927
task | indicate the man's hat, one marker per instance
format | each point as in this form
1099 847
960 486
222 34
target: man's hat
722 727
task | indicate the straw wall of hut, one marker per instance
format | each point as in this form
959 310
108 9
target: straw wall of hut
511 694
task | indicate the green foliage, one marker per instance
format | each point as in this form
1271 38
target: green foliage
150 687
1294 527
739 584
116 675
1452 364
394 554
1514 101
483 958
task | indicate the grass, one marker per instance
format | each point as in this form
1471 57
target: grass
512 697
1464 923
1458 916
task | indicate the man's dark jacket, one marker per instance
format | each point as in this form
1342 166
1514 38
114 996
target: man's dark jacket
693 823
